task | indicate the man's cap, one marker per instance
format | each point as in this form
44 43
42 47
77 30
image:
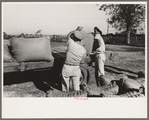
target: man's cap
79 35
98 30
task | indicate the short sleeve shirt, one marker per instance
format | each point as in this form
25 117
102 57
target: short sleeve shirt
75 53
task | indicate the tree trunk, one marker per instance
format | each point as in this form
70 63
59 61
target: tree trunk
128 37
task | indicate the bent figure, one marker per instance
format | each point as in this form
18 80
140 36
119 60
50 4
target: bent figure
71 68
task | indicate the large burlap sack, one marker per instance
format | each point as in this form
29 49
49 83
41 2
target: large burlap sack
31 49
131 84
88 42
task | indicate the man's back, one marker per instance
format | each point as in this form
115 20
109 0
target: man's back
87 42
75 53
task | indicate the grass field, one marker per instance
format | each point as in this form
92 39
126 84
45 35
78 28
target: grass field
125 59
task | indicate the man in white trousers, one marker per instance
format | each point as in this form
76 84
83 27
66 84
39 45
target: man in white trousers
75 53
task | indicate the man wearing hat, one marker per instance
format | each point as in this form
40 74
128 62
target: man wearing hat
99 49
75 53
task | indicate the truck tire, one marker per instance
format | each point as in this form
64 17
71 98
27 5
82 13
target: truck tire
83 77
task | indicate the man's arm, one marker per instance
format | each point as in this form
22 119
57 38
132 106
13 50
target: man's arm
98 37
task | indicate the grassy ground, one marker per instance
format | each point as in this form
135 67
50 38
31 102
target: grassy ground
125 59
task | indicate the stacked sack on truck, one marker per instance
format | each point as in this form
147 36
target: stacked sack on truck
27 50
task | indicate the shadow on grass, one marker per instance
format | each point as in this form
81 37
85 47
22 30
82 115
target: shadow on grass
116 70
119 69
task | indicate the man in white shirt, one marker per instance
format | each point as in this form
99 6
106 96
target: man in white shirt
75 53
88 40
99 54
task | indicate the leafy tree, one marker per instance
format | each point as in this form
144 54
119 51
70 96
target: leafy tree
125 17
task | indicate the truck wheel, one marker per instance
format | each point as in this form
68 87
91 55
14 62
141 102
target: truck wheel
83 77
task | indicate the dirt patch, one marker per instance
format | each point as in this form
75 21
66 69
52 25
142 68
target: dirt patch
27 89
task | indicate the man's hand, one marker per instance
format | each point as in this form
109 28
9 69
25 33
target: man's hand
79 28
93 53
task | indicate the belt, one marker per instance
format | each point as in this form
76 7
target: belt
99 52
71 64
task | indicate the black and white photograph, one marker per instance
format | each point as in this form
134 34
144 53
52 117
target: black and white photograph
76 59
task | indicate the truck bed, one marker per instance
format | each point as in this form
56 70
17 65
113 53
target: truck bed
58 53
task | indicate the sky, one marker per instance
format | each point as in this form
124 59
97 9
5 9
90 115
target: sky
52 18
